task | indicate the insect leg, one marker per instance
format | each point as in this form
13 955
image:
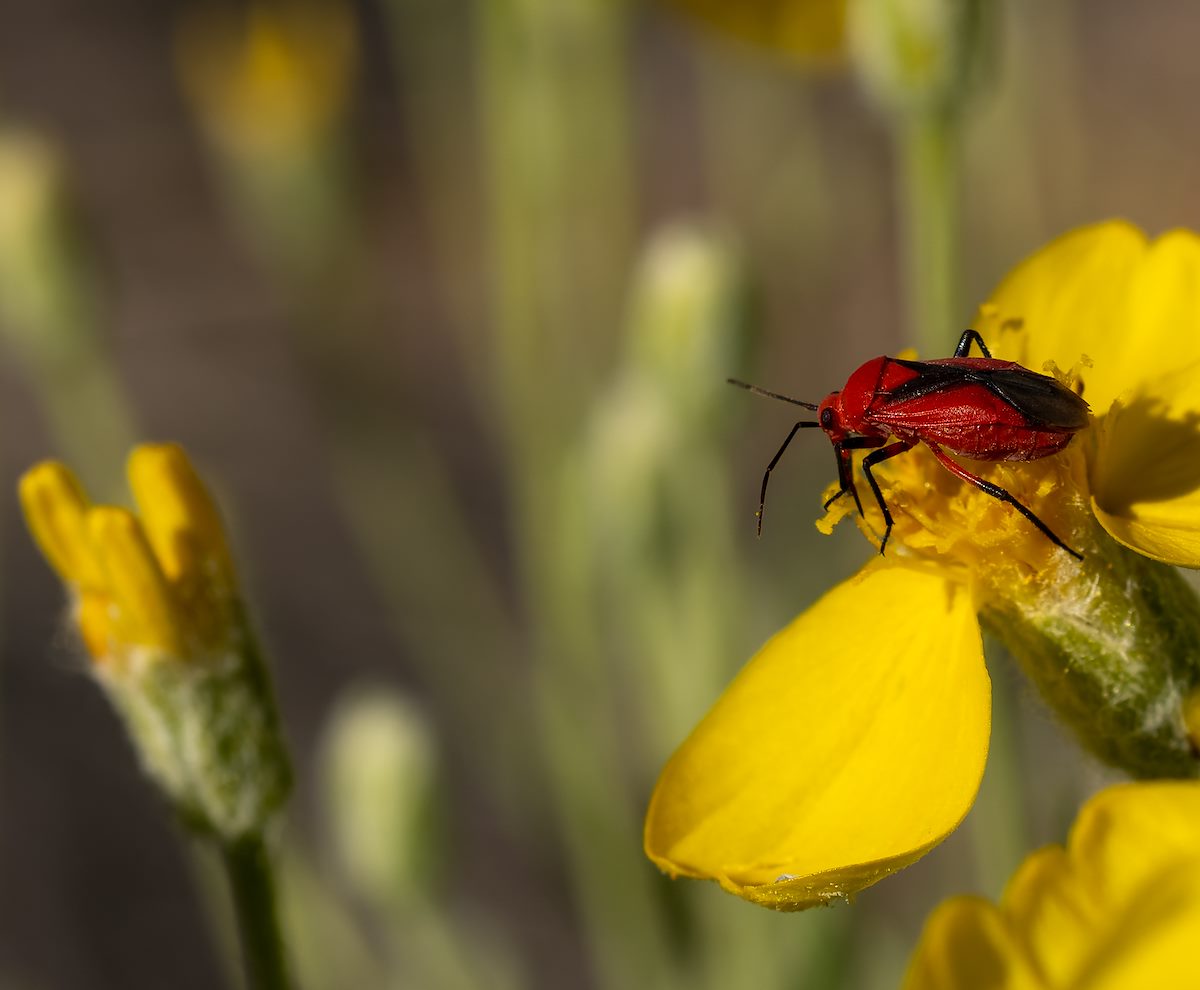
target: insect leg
845 478
998 493
762 495
964 344
875 457
846 468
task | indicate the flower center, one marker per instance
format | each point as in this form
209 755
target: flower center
966 533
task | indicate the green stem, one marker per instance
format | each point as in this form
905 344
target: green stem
928 142
252 886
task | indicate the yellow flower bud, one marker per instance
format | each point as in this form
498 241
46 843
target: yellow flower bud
156 606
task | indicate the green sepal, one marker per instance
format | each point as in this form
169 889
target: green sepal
1114 648
207 732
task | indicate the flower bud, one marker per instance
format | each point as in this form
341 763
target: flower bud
156 604
685 320
914 55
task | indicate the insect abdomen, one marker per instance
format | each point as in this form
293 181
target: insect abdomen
998 442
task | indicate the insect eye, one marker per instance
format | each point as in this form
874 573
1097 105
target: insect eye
827 417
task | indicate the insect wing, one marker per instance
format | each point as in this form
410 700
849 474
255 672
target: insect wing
1040 400
1045 401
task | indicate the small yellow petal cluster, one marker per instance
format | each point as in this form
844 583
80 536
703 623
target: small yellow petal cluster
160 582
1119 907
155 601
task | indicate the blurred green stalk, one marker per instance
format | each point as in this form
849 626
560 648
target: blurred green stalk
273 87
919 61
997 826
930 155
439 105
553 90
51 312
87 413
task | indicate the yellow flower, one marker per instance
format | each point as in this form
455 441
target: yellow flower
154 597
1119 907
809 29
272 79
855 740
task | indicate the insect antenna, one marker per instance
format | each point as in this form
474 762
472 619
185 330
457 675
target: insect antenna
771 395
762 495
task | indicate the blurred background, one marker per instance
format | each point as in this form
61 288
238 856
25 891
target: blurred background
441 296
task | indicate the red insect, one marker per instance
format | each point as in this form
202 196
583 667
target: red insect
981 408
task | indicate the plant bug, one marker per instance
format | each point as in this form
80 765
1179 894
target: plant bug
978 407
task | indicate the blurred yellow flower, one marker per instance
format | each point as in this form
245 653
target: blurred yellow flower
156 585
1119 907
810 29
154 597
271 79
854 741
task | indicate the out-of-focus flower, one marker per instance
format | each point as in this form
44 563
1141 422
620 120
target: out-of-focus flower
271 88
668 405
381 766
1119 907
855 740
154 597
806 29
915 54
272 79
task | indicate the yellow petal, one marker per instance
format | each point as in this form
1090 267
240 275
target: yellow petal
851 745
967 945
1052 919
1131 306
1146 473
1163 311
1129 832
144 611
180 519
1119 907
54 504
1069 299
1153 943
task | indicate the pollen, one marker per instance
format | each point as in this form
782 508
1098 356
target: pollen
960 530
